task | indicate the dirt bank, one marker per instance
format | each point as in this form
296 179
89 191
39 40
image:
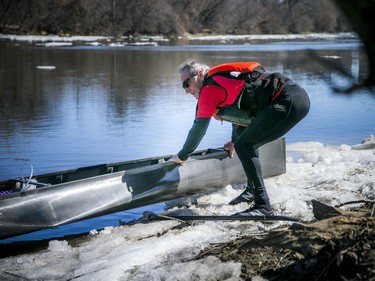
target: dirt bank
339 246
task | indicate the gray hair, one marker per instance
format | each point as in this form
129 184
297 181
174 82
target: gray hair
192 66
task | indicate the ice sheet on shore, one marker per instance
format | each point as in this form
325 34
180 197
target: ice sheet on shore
160 251
60 41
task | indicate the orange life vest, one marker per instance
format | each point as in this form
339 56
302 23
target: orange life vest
235 69
247 71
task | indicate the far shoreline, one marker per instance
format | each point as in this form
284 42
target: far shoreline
206 37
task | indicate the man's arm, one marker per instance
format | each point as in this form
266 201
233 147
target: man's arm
229 145
196 133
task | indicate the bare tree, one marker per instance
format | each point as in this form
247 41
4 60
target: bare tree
170 17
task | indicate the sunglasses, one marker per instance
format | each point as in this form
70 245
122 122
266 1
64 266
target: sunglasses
186 83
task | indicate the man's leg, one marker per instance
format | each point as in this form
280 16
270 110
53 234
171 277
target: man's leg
271 124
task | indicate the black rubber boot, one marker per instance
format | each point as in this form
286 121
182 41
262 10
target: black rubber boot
246 196
256 210
261 199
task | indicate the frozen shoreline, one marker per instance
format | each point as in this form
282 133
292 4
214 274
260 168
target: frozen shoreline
56 40
162 251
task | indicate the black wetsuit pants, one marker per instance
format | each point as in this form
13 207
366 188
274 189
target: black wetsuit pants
273 122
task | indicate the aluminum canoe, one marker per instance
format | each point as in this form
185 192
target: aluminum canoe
69 196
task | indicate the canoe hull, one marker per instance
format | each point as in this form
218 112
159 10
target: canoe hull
76 200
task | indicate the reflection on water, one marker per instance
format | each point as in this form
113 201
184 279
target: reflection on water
103 104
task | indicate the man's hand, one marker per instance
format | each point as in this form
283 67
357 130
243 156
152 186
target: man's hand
177 160
229 147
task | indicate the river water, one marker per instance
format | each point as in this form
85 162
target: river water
66 107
